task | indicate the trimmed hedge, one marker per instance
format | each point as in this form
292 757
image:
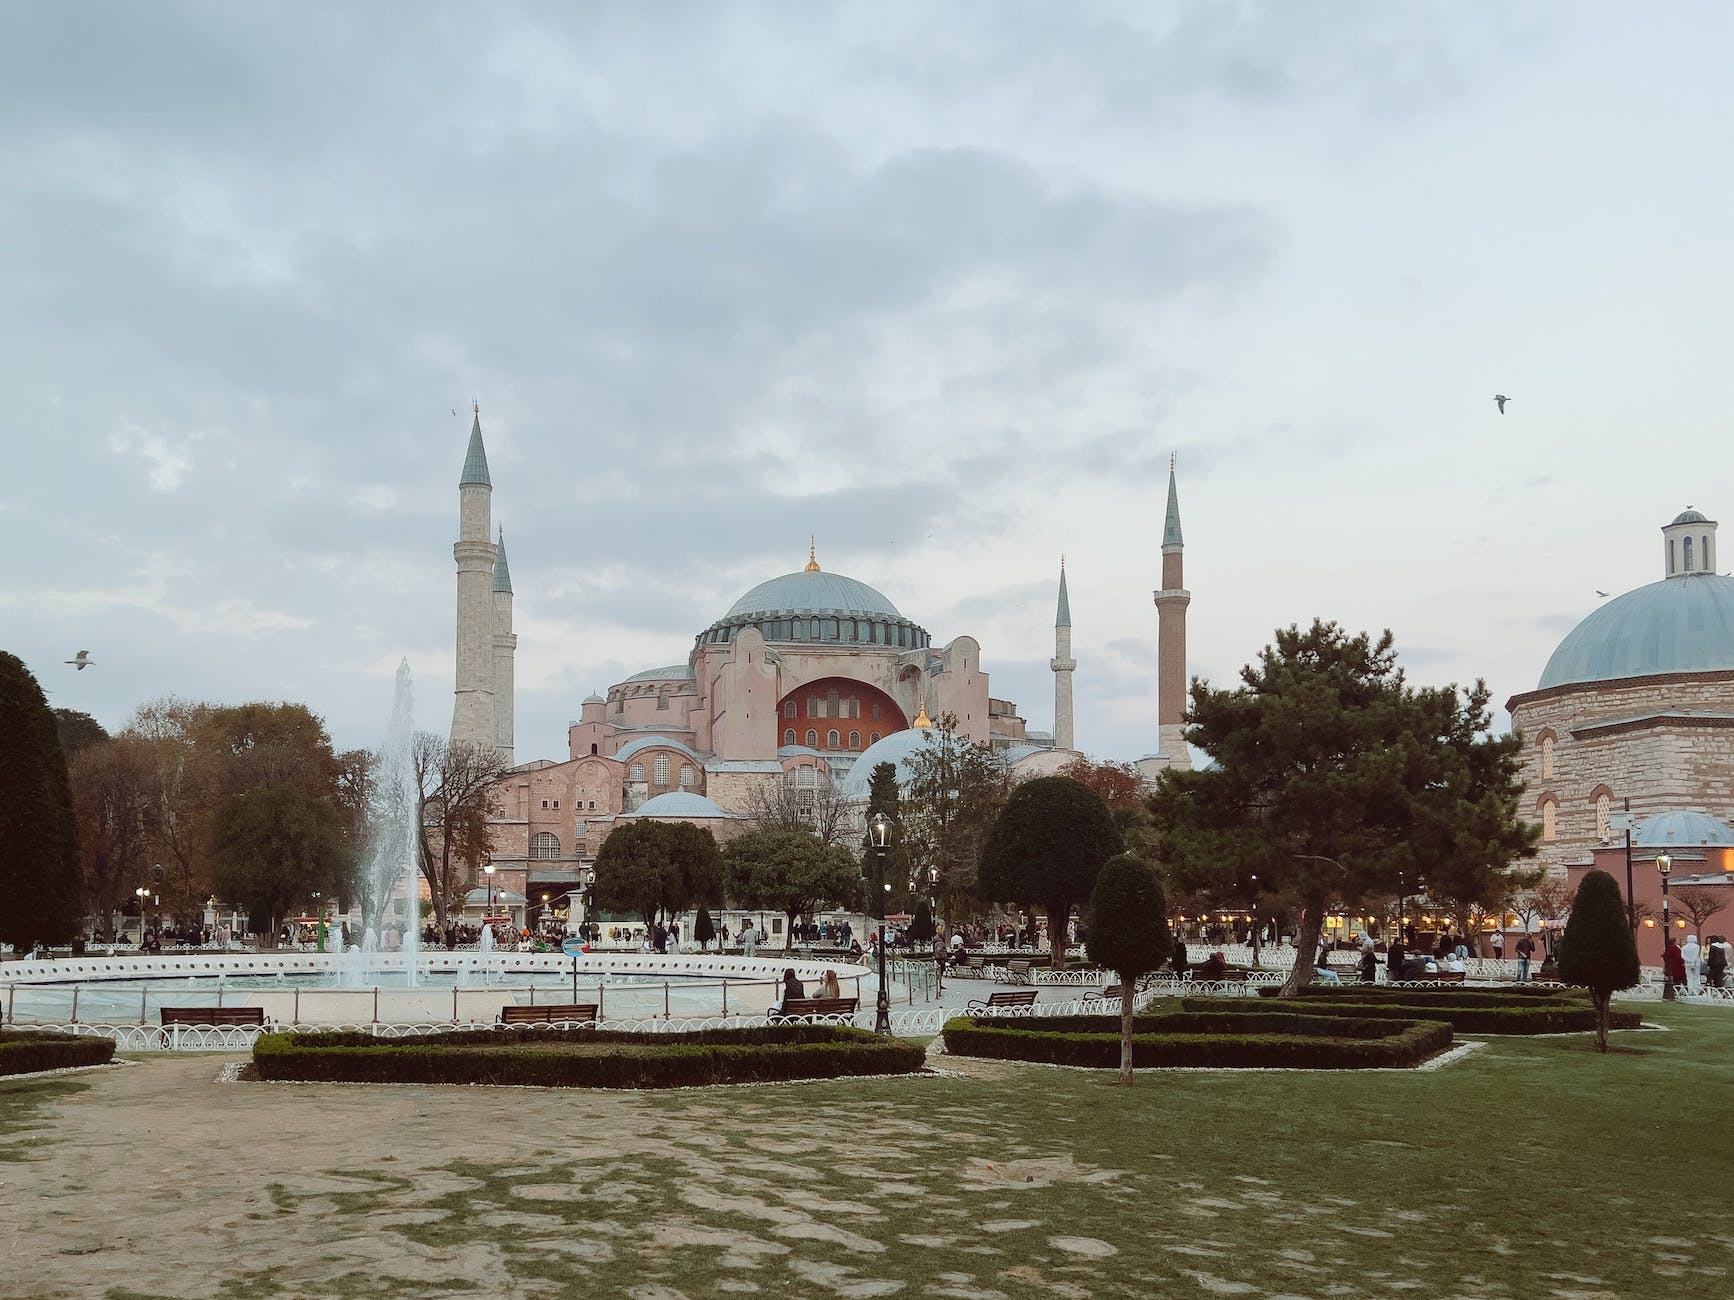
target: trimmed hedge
1482 1016
29 1050
1384 992
527 1056
1244 1040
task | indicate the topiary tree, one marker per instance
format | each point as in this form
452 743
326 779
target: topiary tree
703 929
39 869
921 928
1598 952
1128 934
1045 849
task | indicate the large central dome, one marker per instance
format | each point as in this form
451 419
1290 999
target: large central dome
1682 624
813 592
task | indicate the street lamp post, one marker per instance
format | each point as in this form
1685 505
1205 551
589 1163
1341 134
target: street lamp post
489 869
1631 898
1255 920
1665 865
142 892
879 840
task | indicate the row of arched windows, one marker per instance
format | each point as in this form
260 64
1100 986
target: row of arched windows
857 631
1548 805
833 738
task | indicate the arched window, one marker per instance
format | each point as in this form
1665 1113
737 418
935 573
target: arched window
593 749
1549 820
1604 816
789 709
635 772
812 739
661 769
854 740
687 776
831 739
1547 756
789 736
875 739
1670 555
544 847
1687 551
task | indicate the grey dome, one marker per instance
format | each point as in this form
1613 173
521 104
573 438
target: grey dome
812 592
1690 517
897 749
1682 828
677 803
1682 624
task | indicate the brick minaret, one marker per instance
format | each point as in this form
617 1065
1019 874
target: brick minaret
1062 663
473 703
505 653
1171 603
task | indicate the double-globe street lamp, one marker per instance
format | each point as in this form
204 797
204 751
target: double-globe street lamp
1665 865
879 840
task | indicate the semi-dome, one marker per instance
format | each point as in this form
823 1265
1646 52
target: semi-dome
677 803
1683 624
897 749
1667 828
813 592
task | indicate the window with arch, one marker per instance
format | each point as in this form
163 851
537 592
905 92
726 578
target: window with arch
1549 819
875 739
1686 552
788 735
812 738
661 769
854 740
635 772
789 709
1670 555
1604 816
687 776
831 739
544 847
1547 756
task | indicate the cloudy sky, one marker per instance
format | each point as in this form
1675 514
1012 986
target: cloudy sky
943 284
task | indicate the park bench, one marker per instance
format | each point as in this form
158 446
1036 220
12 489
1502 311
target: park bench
552 1013
213 1016
1013 972
970 965
1233 975
1439 977
793 1007
1021 999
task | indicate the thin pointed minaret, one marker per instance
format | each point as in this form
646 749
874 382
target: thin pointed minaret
473 700
1062 663
505 654
1171 603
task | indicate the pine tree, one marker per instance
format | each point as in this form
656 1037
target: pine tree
39 872
1128 934
921 929
703 928
1598 952
1046 848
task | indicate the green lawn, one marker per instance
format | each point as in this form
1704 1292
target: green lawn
1532 1169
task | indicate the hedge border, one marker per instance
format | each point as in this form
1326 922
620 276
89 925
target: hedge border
1202 1040
30 1051
1360 992
1483 1018
763 1054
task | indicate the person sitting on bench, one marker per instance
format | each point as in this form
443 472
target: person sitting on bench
1324 971
828 986
791 989
1211 968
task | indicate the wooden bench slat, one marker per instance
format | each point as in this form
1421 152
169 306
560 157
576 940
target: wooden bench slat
819 1007
548 1013
1009 998
213 1015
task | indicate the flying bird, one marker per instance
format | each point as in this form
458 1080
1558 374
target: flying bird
1601 593
1501 399
82 660
454 410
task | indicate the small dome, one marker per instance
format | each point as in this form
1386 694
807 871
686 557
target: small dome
677 804
812 592
897 749
594 698
1677 625
1682 828
501 897
1690 517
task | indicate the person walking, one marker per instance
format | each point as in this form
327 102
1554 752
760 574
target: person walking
1525 950
1691 954
749 938
1497 940
1718 960
1673 967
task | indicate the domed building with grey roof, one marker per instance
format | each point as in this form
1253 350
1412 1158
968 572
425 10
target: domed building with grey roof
1636 708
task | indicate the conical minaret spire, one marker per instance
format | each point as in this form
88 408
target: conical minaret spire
473 718
1063 664
1171 602
505 655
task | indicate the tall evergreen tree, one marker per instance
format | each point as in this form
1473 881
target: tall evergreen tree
1598 952
1128 934
77 731
41 892
884 796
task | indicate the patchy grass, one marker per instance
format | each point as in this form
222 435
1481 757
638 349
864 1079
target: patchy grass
21 1104
1535 1168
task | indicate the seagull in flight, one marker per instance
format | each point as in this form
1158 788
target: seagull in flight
1602 593
1501 399
82 660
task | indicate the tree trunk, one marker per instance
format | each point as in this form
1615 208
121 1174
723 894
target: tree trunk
1126 992
1057 918
1602 999
1306 946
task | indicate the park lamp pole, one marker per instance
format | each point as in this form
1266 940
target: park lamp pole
1255 920
1665 865
143 892
489 869
879 840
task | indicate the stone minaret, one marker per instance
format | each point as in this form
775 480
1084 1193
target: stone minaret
473 705
1171 603
505 650
1062 663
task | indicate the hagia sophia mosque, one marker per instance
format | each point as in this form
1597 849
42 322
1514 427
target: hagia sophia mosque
815 677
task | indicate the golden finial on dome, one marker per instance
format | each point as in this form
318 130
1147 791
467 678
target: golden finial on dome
812 555
921 718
